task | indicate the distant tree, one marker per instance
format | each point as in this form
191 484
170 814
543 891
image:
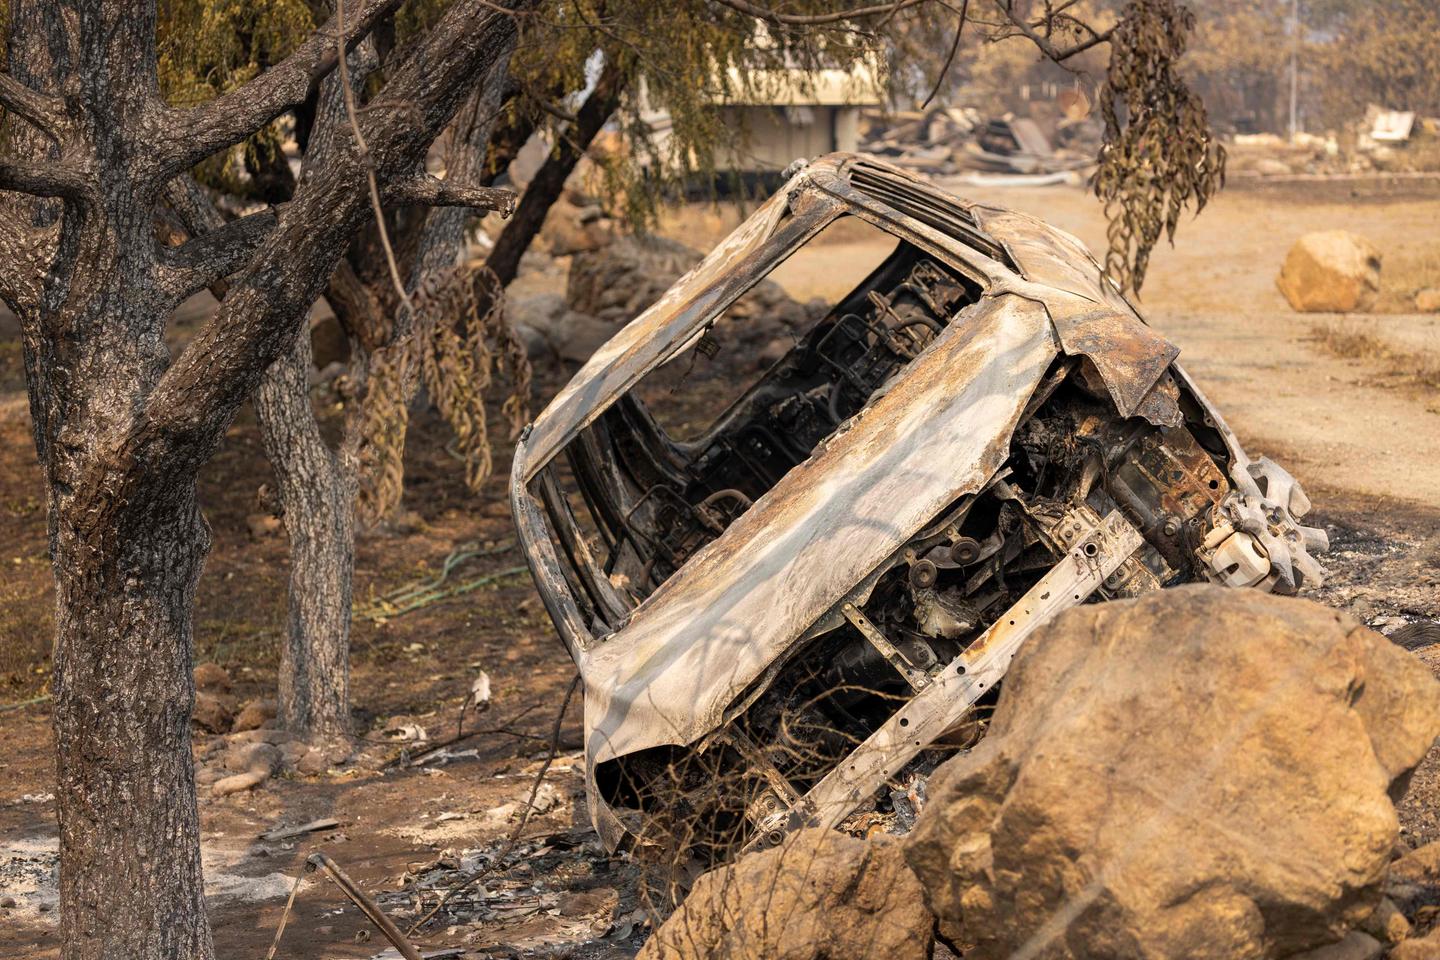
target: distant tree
1385 52
1239 61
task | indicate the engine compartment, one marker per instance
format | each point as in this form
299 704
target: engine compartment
940 592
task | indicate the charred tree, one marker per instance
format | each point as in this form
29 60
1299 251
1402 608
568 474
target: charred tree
122 428
318 485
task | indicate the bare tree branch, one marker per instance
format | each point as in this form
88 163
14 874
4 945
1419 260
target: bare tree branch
58 179
950 57
44 110
188 200
216 124
434 192
1043 42
261 315
364 151
211 256
816 19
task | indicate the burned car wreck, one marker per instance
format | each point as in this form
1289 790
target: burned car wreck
789 616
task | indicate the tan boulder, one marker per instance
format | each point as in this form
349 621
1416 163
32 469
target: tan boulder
254 715
1200 773
1422 948
212 713
821 895
1331 271
212 677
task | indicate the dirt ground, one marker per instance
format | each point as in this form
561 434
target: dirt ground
1362 432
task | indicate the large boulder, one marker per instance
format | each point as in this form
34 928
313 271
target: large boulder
821 895
1331 271
571 229
1200 773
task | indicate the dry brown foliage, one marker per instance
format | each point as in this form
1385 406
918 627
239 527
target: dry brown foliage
1159 157
453 349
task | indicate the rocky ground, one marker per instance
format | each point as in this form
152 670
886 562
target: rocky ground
1359 430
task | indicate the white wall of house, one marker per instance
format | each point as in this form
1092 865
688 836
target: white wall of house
770 137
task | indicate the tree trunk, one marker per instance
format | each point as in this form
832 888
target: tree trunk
129 826
122 428
317 491
549 182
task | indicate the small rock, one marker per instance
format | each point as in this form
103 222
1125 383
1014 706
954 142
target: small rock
212 677
821 894
254 715
312 763
1387 923
570 229
262 525
251 756
211 713
539 311
1355 946
578 335
1271 167
1425 948
248 780
7 903
1414 879
1428 300
266 734
586 903
1331 271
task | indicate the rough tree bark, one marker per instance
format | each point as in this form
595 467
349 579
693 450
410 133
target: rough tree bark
122 430
319 485
317 489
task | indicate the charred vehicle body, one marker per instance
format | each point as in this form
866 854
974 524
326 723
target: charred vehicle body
784 618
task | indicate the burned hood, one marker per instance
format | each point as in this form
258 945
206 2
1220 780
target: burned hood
694 646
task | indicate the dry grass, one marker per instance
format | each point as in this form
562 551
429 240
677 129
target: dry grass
1348 339
1406 273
